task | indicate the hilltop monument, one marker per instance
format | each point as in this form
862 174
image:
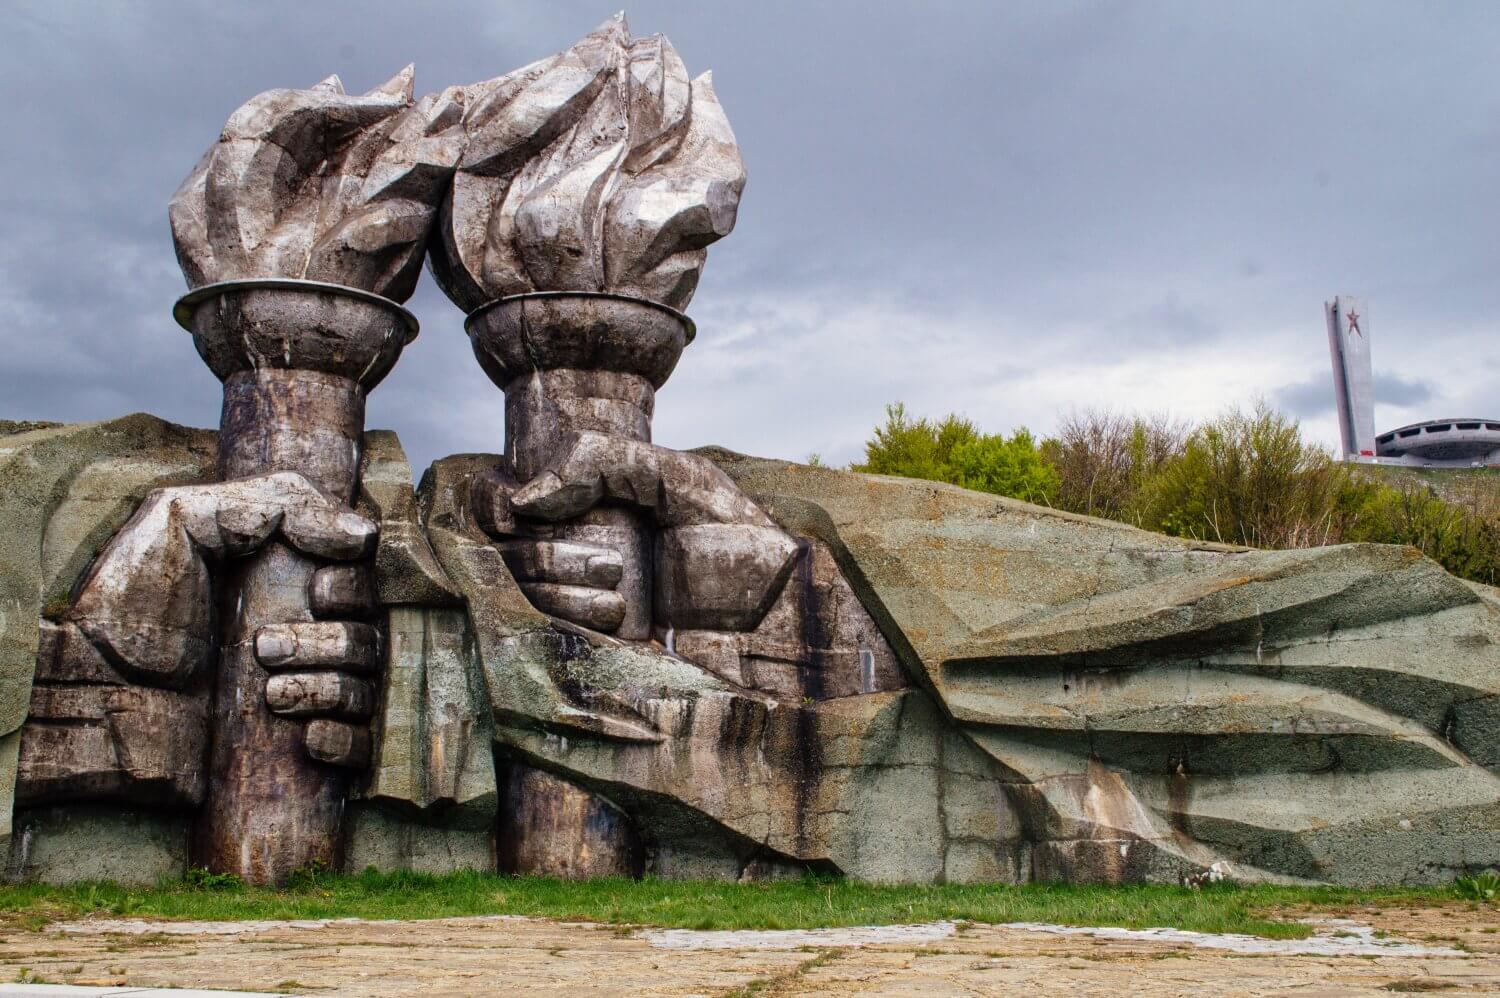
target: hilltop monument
271 646
1468 442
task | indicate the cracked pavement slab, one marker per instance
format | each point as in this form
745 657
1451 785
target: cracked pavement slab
1365 951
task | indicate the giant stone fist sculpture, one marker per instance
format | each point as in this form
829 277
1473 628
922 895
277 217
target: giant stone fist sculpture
575 229
299 231
148 601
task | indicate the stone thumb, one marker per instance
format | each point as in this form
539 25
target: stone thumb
549 496
323 529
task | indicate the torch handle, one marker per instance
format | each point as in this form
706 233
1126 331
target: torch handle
543 412
630 532
271 808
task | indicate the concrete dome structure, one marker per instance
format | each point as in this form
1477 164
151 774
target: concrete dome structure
1443 442
1433 443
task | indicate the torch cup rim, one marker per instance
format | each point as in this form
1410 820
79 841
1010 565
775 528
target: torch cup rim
183 308
690 328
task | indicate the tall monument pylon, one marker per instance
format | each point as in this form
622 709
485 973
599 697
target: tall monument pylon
1353 386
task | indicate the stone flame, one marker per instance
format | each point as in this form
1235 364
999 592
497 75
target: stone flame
321 185
603 168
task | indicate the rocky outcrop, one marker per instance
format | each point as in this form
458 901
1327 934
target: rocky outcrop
1167 704
64 491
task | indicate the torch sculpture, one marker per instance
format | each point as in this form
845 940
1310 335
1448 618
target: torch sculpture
573 236
299 232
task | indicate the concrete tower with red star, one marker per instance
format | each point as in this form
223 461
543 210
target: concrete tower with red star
1353 385
1465 442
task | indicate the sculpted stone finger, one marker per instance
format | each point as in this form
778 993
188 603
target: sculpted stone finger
244 524
324 530
550 497
238 516
489 500
567 563
322 644
596 609
303 694
337 743
342 591
679 489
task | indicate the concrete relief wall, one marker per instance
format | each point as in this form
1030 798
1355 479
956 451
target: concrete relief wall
269 647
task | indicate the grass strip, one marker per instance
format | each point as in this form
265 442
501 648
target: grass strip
790 904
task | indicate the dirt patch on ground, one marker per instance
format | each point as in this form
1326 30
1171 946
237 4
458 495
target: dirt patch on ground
1459 949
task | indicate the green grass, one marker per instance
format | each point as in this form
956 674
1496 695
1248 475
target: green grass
810 903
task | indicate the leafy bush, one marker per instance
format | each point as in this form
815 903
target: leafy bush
953 450
1248 478
1103 458
1244 478
1480 887
201 877
1463 541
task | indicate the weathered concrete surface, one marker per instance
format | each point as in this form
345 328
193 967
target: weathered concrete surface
1170 704
91 735
406 570
466 956
80 842
430 800
550 827
96 732
720 779
393 838
64 491
1044 696
817 642
435 734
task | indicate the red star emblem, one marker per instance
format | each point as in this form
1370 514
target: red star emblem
1354 325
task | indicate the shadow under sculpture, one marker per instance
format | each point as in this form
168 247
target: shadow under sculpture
591 654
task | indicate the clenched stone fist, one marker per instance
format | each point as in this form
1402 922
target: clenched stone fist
148 600
718 564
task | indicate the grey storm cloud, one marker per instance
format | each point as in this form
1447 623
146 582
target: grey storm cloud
1314 396
956 204
1166 323
1393 389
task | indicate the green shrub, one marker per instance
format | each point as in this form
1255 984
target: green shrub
953 450
914 448
1007 467
1480 887
1103 459
201 877
1243 478
1247 478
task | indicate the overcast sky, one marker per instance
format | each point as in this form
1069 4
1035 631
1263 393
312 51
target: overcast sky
1007 210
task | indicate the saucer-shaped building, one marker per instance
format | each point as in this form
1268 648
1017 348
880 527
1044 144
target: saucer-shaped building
1434 443
1447 443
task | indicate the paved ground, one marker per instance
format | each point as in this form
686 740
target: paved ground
82 991
1454 949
